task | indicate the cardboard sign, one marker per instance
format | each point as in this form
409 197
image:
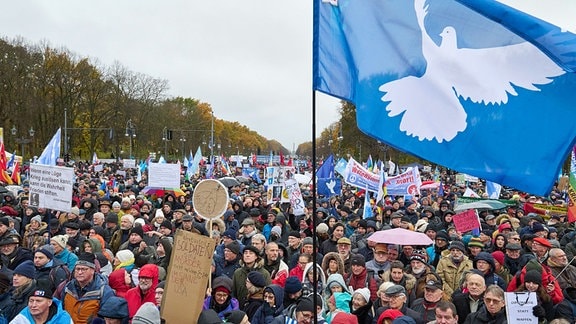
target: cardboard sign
466 221
519 307
187 277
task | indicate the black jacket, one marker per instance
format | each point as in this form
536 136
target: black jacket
484 317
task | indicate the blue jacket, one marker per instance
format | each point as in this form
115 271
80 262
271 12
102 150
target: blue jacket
68 258
61 316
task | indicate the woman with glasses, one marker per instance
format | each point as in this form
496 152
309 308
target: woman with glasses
220 299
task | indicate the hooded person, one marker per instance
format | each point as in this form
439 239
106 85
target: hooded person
221 300
255 284
332 263
148 313
484 262
308 282
335 283
338 302
120 281
272 307
114 307
145 290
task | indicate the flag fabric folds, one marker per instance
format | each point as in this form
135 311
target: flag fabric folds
52 151
326 170
511 71
4 177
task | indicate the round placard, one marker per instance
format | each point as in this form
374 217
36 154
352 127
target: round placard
210 199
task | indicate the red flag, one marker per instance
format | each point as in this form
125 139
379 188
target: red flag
254 160
4 177
16 173
281 158
290 162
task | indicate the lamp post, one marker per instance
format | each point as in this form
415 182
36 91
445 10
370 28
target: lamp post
165 139
182 141
22 140
131 133
340 139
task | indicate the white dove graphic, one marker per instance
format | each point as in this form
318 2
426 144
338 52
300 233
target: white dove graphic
430 103
331 184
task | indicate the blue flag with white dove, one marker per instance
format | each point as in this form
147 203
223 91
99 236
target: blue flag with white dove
52 151
454 82
329 187
326 170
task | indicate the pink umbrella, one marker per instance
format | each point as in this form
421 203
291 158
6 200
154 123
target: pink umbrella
400 236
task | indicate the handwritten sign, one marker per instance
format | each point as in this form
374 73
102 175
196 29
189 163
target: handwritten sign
295 195
187 277
466 221
519 307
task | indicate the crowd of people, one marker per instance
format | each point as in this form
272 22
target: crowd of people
106 260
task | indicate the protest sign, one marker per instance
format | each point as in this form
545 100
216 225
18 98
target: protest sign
51 187
163 175
129 163
360 177
519 307
187 277
466 221
296 200
98 168
407 183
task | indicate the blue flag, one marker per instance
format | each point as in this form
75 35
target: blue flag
483 72
52 151
329 187
326 170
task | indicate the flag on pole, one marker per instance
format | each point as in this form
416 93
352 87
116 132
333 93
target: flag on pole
493 190
382 191
52 151
10 163
16 173
4 177
95 159
369 164
326 170
475 65
367 212
572 188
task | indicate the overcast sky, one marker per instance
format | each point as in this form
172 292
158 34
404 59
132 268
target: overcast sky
251 60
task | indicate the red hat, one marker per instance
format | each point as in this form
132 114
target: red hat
542 241
498 256
344 318
389 314
504 226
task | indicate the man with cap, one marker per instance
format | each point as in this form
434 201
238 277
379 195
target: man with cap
105 207
12 253
433 294
135 240
439 248
111 225
228 263
294 246
188 224
145 291
61 253
451 267
398 301
379 264
178 218
85 293
247 230
251 261
307 248
43 308
114 311
515 259
122 234
540 247
292 295
396 220
475 246
359 277
485 263
48 268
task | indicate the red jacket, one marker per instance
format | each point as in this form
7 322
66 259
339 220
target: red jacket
547 277
134 296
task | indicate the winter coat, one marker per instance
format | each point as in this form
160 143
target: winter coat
338 279
30 235
83 308
53 271
333 256
307 286
547 277
364 313
265 314
484 317
490 277
363 280
462 303
134 296
117 282
566 309
59 316
231 304
17 302
451 274
239 289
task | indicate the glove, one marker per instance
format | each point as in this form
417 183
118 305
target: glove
267 310
539 311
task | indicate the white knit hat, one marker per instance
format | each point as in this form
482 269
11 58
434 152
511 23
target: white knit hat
124 255
365 292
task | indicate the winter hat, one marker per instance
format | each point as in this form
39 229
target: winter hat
47 250
365 292
293 285
251 248
148 313
277 230
234 317
475 241
344 318
115 204
207 316
305 305
307 241
230 233
257 279
222 283
166 223
60 240
43 289
456 245
542 241
322 228
537 227
294 234
86 259
26 269
36 218
137 230
419 255
498 256
389 314
234 247
72 225
533 276
404 320
442 235
75 211
125 255
114 307
358 259
112 218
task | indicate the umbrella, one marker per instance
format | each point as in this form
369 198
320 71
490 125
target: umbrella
302 178
481 204
229 181
160 192
243 179
400 236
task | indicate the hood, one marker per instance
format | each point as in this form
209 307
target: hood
336 277
485 256
218 222
96 245
92 202
150 270
115 307
278 294
332 256
308 268
342 300
116 279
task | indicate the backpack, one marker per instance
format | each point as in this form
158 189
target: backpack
54 270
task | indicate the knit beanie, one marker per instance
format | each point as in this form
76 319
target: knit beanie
47 250
234 317
498 256
533 276
344 318
257 279
277 230
234 247
36 218
26 269
365 292
305 305
148 313
125 255
293 285
60 240
137 230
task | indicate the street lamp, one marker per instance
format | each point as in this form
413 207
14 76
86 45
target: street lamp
22 140
165 139
131 133
183 141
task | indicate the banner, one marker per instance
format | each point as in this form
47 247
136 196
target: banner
296 200
466 221
463 200
164 175
190 268
542 209
358 176
277 175
129 163
51 187
407 183
519 307
572 188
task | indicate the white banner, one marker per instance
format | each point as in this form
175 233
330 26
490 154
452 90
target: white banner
278 175
407 183
358 176
51 187
519 307
296 200
163 175
129 163
98 168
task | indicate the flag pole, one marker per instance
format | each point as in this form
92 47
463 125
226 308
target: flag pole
313 220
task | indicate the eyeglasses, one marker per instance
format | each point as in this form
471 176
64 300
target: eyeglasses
81 269
491 300
514 238
221 295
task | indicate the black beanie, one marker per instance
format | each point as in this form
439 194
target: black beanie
137 230
533 276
